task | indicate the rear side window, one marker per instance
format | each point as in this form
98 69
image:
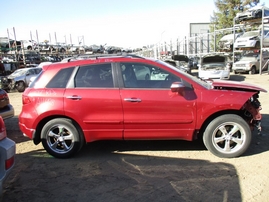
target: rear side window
61 78
94 76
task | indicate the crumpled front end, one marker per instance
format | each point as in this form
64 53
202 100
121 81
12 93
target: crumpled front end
252 113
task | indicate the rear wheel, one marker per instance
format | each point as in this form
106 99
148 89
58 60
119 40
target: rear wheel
227 136
61 138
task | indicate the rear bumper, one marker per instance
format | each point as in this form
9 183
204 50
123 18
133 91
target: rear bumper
7 112
7 151
27 132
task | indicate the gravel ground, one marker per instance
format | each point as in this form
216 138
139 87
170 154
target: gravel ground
140 170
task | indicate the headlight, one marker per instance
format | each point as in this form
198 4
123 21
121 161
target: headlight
254 38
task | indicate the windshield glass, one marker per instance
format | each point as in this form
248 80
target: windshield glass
193 78
248 58
19 72
254 33
213 66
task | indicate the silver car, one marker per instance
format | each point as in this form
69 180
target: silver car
214 67
227 41
250 63
7 155
20 78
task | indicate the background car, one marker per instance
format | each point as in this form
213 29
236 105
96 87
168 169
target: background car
7 154
227 41
181 62
29 44
6 109
252 13
19 79
214 67
252 39
100 98
250 63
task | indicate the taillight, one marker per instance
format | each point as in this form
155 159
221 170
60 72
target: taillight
3 132
25 99
9 162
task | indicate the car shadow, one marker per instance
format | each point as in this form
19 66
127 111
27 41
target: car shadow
106 176
260 141
13 130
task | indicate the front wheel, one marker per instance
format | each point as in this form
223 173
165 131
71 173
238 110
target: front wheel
252 70
227 136
61 138
20 86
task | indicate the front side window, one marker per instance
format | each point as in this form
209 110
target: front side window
94 76
138 75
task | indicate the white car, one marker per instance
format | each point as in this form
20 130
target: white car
252 13
214 67
7 154
29 44
227 41
252 39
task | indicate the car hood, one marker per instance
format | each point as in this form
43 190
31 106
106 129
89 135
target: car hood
213 59
236 85
247 37
245 61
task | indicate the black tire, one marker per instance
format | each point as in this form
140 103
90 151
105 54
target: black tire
235 72
257 45
61 138
252 70
20 86
227 136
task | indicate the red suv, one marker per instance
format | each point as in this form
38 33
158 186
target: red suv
128 97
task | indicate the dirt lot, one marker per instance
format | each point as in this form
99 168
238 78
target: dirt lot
140 171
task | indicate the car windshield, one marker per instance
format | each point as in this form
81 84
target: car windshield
248 58
254 33
213 66
195 79
19 72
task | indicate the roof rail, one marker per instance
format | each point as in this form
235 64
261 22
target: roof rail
96 56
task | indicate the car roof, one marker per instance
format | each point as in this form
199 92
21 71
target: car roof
95 59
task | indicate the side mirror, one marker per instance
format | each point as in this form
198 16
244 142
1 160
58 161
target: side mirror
178 87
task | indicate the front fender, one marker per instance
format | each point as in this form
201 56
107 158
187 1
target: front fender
213 102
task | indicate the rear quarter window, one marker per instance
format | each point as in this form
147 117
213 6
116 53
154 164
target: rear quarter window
61 79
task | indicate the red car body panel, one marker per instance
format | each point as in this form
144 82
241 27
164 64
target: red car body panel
235 84
160 114
99 117
126 113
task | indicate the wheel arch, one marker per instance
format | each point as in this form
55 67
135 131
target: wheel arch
37 137
200 132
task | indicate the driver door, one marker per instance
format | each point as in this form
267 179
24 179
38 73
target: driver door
151 110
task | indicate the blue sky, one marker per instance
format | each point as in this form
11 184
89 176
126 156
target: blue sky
113 22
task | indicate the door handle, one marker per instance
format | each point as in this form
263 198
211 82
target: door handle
73 97
132 99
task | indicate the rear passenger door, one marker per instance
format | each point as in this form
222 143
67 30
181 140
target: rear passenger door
95 103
